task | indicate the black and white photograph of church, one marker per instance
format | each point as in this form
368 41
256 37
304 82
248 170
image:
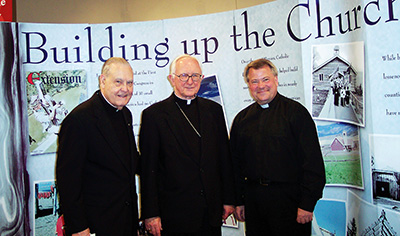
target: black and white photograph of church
338 83
380 227
368 219
385 170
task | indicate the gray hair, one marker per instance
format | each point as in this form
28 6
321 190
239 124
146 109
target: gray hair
105 69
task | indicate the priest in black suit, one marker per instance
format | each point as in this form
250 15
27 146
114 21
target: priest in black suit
97 159
187 179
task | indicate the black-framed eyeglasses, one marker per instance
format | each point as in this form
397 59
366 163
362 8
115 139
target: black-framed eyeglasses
185 77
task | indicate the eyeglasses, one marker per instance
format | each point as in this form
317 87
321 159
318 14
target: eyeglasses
185 77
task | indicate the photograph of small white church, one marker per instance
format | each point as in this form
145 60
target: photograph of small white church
338 83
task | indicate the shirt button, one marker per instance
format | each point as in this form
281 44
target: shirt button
202 192
201 170
127 203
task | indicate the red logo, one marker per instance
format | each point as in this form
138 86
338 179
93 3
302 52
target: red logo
30 77
5 10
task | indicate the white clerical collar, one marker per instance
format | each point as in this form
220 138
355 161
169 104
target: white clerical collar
264 106
188 101
109 102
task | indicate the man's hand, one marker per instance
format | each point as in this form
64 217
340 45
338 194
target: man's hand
239 213
228 209
303 216
86 232
153 225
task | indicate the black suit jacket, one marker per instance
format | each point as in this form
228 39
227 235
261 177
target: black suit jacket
95 180
174 185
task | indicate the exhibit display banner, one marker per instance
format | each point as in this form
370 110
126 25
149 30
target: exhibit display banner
339 59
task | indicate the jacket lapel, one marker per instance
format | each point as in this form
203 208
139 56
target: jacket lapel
132 143
205 119
103 124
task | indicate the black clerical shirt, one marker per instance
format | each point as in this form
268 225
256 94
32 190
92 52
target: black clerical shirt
191 111
278 144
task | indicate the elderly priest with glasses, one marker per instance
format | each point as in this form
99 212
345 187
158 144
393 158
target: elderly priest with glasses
186 182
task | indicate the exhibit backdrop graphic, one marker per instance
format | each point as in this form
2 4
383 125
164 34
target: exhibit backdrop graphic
285 32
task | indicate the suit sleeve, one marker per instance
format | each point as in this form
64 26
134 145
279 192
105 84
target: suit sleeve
71 157
237 168
149 145
226 162
313 180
